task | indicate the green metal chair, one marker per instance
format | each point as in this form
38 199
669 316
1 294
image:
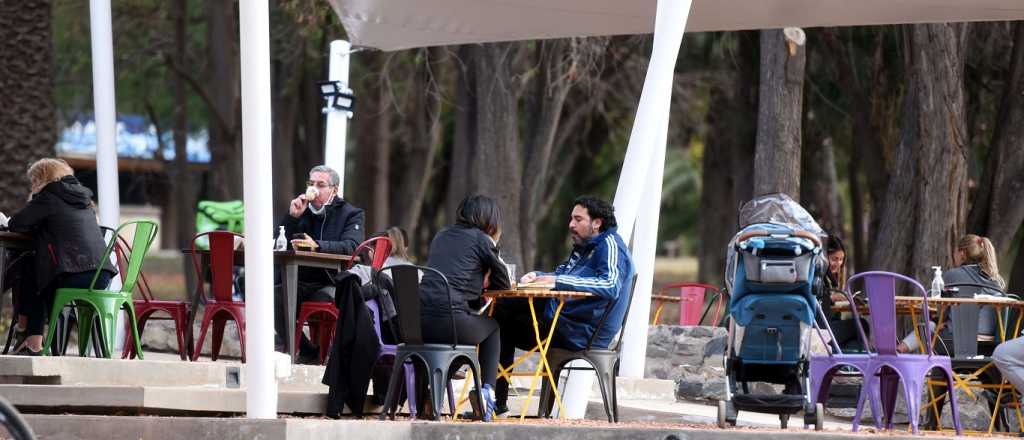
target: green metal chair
105 304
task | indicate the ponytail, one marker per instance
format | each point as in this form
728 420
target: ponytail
979 250
988 262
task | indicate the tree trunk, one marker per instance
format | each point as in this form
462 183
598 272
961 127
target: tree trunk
544 110
783 57
417 157
370 187
732 133
747 91
998 208
926 200
1016 280
225 115
28 122
486 155
184 196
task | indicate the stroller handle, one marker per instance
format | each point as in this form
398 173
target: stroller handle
765 233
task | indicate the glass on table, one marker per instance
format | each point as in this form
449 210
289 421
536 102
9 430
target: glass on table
511 270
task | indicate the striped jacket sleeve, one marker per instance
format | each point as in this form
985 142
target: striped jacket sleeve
607 272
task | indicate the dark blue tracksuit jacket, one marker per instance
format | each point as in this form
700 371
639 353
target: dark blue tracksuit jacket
601 266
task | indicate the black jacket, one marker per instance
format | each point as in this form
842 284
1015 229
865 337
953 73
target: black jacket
354 351
64 230
463 254
338 231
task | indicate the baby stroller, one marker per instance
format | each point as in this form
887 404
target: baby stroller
774 267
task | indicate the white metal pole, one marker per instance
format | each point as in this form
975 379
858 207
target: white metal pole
644 164
337 120
645 245
254 34
105 113
649 133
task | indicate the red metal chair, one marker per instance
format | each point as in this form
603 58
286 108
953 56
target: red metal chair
221 307
691 302
322 316
177 311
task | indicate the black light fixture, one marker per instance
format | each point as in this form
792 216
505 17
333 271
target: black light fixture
338 96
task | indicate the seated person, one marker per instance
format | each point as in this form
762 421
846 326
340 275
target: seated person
326 223
600 264
843 326
68 243
976 260
467 254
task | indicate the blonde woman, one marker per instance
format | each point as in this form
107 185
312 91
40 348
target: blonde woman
975 258
68 246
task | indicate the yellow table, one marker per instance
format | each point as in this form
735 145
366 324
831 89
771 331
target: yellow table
659 301
543 340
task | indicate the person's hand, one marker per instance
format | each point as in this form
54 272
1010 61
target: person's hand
545 279
528 278
838 297
297 205
306 242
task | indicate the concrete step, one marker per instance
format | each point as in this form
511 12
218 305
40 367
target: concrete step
169 371
113 399
72 427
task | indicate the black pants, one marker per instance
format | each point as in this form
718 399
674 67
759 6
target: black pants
36 305
304 292
513 315
470 330
845 331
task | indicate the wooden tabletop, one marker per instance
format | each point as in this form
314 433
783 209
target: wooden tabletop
666 298
535 293
15 240
904 303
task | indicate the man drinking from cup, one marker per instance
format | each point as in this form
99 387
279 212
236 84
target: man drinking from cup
321 221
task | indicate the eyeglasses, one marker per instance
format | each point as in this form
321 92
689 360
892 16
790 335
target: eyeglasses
319 185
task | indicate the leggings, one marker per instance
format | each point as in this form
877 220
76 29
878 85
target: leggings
471 330
36 306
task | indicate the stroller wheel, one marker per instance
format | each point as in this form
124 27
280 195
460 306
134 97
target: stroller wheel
814 415
819 416
784 420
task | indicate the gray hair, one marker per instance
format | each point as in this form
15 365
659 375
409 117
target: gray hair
335 178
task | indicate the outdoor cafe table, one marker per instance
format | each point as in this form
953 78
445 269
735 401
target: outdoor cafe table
543 341
289 262
660 301
911 305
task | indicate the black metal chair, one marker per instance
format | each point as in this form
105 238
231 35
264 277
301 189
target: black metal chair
439 359
604 361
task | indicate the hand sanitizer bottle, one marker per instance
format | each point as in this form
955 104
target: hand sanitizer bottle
938 285
282 241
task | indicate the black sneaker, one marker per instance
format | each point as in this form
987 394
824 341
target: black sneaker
25 351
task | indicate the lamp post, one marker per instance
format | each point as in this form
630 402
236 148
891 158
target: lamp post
338 106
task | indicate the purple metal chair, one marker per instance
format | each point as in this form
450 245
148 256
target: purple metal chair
887 368
410 370
823 369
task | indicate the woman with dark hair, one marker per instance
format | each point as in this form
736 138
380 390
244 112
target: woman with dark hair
844 329
467 254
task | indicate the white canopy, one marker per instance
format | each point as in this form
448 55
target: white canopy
403 24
